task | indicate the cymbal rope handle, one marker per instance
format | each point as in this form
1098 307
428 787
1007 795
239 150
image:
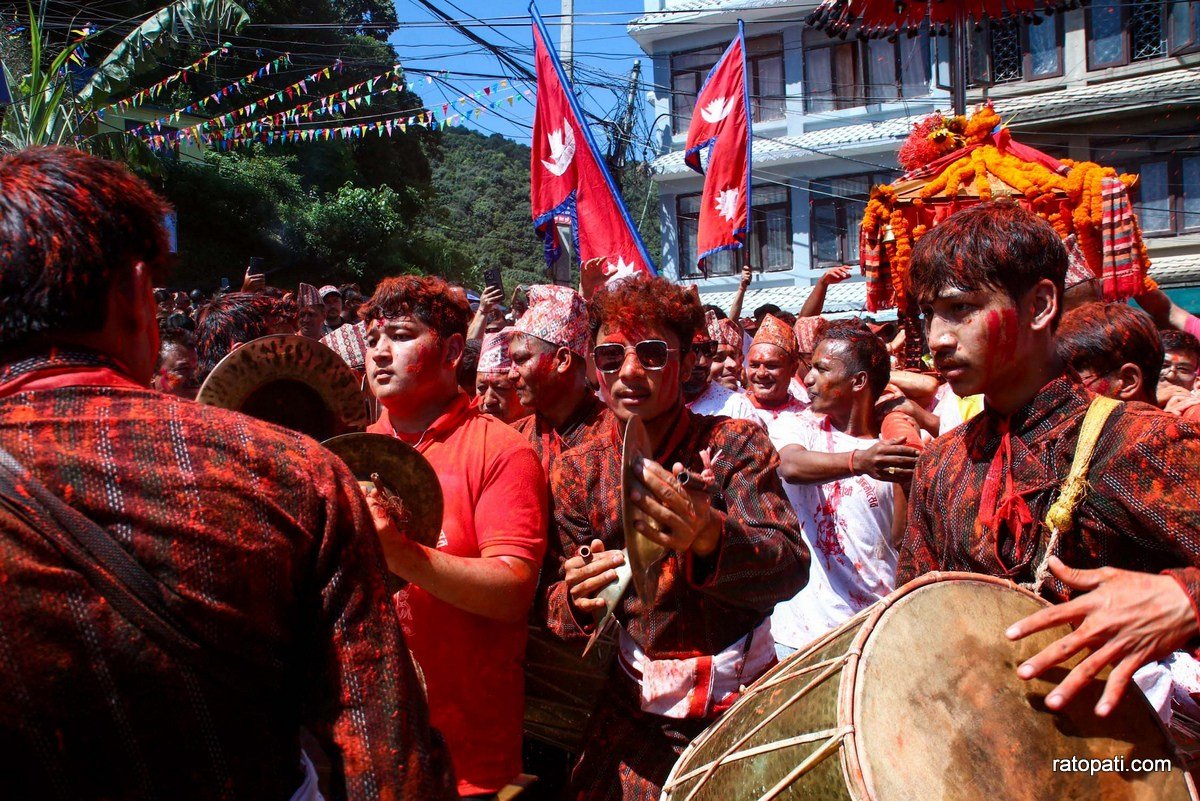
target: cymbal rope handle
833 668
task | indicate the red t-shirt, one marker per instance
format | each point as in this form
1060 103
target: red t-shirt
495 505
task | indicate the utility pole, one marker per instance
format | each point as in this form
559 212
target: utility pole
567 45
622 131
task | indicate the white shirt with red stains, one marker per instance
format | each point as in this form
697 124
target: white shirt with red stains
847 527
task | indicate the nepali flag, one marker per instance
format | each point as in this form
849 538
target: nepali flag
721 123
569 179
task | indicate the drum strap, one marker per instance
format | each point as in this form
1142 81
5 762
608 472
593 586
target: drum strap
1061 516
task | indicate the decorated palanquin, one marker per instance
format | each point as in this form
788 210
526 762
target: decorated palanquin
952 163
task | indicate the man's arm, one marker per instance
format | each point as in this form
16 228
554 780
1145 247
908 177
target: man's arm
1166 313
798 465
570 605
815 303
510 523
487 301
735 308
918 553
363 701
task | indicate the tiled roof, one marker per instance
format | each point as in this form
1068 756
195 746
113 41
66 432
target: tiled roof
809 145
1175 270
1025 111
841 299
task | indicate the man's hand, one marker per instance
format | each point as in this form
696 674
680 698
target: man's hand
593 274
673 517
888 460
747 276
585 580
253 282
1127 619
835 275
491 296
398 549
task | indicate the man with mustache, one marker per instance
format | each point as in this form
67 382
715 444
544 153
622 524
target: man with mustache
989 281
733 547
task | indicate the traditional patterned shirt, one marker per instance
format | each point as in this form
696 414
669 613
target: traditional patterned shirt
265 547
549 442
703 605
1141 511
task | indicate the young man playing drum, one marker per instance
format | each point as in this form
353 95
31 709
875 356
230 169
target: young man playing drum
989 281
733 546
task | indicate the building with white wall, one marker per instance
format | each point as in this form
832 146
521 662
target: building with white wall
1115 83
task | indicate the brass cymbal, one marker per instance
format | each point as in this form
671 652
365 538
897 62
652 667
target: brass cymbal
404 472
643 553
292 381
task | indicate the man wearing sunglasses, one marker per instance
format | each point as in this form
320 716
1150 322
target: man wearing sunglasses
732 545
704 396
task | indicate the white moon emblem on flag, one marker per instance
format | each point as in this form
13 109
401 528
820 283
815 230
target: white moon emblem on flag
562 150
727 201
717 110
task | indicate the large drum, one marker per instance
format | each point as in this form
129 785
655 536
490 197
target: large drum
916 699
561 686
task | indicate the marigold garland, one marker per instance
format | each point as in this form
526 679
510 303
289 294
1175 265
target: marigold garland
1072 201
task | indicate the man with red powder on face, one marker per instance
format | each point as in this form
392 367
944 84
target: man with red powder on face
494 390
252 545
771 367
549 371
989 282
733 547
465 606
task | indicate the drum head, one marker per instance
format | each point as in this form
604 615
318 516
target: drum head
940 713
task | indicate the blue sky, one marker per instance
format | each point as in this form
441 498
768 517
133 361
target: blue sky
604 54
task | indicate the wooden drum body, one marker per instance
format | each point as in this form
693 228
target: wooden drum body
917 699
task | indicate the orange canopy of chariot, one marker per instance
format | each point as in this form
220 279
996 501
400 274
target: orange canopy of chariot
952 163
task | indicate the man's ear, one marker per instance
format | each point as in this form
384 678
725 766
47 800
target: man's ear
860 381
1131 382
455 345
1044 302
562 360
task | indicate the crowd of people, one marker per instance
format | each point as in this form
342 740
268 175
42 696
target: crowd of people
799 473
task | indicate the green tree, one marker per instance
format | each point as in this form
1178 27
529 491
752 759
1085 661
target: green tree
54 102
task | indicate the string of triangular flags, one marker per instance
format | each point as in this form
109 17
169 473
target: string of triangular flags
152 92
256 133
300 86
237 86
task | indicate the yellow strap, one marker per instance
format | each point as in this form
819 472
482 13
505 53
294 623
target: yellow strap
1062 512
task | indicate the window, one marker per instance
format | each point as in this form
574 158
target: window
838 205
764 63
1123 32
770 235
840 74
1167 194
1007 52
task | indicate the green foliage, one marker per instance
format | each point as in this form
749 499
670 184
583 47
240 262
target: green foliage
482 185
49 110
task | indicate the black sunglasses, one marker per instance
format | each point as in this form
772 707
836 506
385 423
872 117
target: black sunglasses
652 354
706 348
